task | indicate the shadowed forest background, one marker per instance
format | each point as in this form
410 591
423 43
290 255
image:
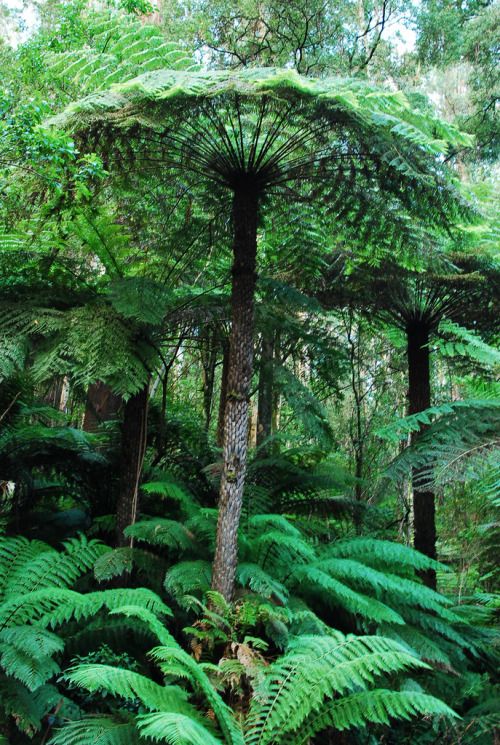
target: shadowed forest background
249 410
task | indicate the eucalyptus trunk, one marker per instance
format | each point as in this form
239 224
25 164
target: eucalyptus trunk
419 394
240 366
133 448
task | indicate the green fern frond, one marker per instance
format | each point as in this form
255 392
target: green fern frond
121 47
282 550
336 593
465 342
173 660
127 684
173 491
26 654
97 729
32 671
258 580
30 707
54 606
161 532
313 670
188 577
114 563
379 553
175 729
28 566
378 707
422 645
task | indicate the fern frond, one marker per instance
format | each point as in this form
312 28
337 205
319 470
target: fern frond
127 684
313 670
26 652
35 565
338 594
97 729
51 607
175 729
161 532
171 490
188 577
173 660
465 342
379 707
379 553
122 46
258 580
28 707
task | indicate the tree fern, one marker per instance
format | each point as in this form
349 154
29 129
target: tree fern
128 685
378 706
162 532
28 566
105 730
188 577
121 46
313 580
175 729
314 670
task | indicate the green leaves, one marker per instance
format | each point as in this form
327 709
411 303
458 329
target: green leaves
313 670
175 729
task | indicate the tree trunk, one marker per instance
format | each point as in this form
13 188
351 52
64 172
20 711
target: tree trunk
223 393
101 406
265 405
133 447
245 214
208 362
419 394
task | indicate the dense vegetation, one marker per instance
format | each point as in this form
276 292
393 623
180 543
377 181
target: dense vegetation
249 411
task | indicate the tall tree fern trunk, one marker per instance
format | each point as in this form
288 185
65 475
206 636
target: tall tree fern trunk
133 448
245 214
101 406
265 405
419 394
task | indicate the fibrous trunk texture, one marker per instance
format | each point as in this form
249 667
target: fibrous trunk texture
419 394
265 405
245 213
133 447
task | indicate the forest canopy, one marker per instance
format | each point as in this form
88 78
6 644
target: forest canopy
249 397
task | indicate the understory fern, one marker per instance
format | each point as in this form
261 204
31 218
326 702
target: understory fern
302 691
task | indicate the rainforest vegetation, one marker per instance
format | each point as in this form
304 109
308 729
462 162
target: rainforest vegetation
249 397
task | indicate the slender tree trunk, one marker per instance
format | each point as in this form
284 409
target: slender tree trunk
223 393
208 362
419 394
265 405
133 447
276 397
245 214
101 406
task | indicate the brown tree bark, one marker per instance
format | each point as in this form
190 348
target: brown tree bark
133 448
419 395
101 406
265 393
245 215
